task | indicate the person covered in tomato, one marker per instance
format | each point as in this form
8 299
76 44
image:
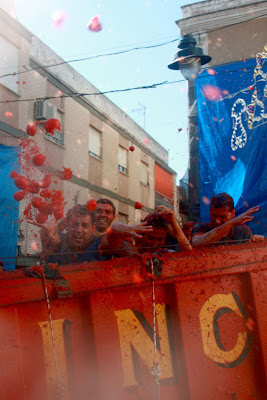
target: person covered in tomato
104 216
224 227
73 240
165 226
187 229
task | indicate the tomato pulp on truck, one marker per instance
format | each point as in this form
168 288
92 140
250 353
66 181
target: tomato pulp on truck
94 330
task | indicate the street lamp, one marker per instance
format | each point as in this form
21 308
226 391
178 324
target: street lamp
189 60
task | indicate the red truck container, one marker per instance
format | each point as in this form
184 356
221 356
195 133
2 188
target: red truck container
99 334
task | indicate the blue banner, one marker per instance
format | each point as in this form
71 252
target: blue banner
232 123
9 214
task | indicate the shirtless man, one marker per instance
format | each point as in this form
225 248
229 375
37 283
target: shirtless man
224 226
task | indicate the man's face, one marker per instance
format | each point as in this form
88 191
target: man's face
152 241
80 232
219 216
104 216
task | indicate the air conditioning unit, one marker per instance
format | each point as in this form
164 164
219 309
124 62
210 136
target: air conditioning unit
44 110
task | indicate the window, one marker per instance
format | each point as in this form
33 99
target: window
94 143
123 218
122 160
58 136
144 174
163 182
9 56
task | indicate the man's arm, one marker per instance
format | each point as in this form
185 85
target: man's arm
174 228
216 234
113 239
49 235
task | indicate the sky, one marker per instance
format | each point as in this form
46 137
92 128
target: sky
126 24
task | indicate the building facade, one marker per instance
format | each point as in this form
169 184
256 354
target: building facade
95 137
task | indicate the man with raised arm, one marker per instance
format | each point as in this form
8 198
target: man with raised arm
163 222
224 227
78 243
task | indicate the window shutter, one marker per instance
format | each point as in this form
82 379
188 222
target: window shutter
144 173
163 182
9 56
122 157
95 142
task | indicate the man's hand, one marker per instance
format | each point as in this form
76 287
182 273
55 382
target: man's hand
128 233
49 235
174 228
50 225
166 213
257 238
245 217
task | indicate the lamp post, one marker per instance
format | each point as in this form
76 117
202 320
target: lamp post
189 60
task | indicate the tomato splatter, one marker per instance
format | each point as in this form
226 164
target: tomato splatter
31 129
34 187
211 92
21 182
37 202
66 174
41 218
45 183
51 125
59 17
91 205
18 196
27 211
38 159
206 200
46 208
138 205
58 213
46 193
14 174
94 25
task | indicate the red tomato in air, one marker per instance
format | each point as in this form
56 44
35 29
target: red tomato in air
94 24
58 213
41 218
132 148
45 183
91 205
45 208
31 129
66 174
51 124
14 174
38 159
46 193
18 196
34 187
37 202
21 182
138 205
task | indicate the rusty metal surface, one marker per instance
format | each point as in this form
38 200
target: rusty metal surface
210 324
